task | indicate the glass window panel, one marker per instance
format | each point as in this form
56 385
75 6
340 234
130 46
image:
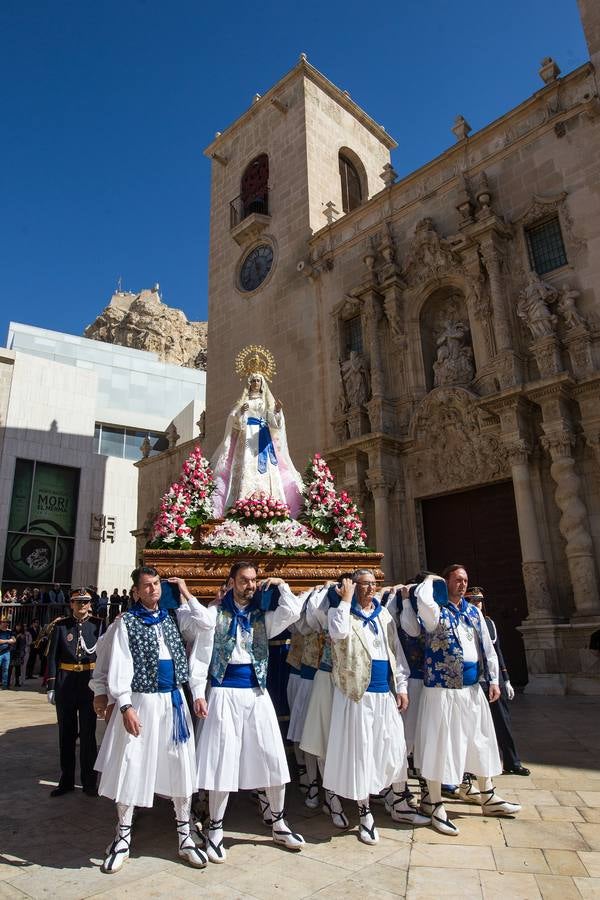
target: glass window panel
97 431
353 335
159 443
546 247
63 564
112 441
133 440
30 558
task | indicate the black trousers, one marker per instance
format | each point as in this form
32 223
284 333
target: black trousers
506 742
76 718
34 654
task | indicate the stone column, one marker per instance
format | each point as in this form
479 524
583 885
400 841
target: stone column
573 521
508 365
379 485
535 576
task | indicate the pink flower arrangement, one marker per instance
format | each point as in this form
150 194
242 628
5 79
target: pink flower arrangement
259 509
185 504
329 512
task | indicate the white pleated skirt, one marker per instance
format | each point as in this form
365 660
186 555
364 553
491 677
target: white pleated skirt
315 733
299 709
134 769
292 686
240 746
455 734
410 716
366 751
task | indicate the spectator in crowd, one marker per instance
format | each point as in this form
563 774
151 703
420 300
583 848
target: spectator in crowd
8 597
17 654
56 595
102 605
115 597
34 652
7 640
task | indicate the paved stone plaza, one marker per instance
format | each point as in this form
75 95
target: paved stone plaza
53 847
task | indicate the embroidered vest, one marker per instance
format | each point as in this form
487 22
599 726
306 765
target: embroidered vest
294 655
326 663
443 652
255 643
352 659
143 644
312 648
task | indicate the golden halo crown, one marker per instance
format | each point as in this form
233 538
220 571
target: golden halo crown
255 358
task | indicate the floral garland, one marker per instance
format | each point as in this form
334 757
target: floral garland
184 505
287 536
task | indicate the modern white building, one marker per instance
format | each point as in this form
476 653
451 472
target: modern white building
73 415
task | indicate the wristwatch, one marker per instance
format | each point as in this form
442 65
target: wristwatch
126 707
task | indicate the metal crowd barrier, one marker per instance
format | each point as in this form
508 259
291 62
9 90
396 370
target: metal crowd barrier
25 613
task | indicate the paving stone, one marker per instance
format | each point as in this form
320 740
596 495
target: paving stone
427 883
451 856
591 860
499 886
557 887
546 835
564 862
520 859
589 888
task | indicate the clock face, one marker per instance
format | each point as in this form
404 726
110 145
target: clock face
256 267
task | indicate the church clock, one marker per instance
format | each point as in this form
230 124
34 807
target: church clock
255 267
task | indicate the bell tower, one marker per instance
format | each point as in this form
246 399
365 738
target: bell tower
302 154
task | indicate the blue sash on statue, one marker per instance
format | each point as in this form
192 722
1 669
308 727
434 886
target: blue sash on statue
307 672
266 450
380 676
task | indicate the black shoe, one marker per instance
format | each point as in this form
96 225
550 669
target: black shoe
517 770
61 789
91 790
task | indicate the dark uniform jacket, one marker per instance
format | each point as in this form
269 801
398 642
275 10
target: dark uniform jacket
68 642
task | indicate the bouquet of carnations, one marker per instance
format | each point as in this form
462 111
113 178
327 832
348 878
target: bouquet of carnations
184 505
282 537
328 512
348 531
259 509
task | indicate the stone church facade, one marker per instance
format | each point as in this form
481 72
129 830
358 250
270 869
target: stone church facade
437 337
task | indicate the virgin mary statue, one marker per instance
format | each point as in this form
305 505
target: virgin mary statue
253 455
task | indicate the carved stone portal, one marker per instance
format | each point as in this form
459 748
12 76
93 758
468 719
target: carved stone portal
452 451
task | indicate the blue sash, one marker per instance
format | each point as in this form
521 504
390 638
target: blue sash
237 675
380 675
307 672
470 673
266 450
325 667
166 685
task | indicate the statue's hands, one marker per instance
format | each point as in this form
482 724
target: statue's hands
278 406
244 407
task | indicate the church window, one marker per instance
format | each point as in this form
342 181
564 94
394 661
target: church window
255 187
351 188
545 245
352 335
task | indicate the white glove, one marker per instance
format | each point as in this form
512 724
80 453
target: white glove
50 696
510 691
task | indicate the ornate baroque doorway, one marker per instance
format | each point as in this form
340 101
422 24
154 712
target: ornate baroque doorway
479 528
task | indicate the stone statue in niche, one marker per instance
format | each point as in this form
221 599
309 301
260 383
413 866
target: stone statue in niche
532 306
567 310
355 379
454 357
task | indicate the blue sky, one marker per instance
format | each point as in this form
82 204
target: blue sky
108 105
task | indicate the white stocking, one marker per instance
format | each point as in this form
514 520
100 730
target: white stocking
485 783
298 753
276 797
183 808
311 767
217 804
125 815
435 791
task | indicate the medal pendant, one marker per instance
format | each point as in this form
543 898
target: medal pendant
69 637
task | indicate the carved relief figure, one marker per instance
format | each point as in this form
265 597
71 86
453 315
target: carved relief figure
454 359
355 379
567 309
532 306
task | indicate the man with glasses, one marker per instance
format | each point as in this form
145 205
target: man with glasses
366 751
71 660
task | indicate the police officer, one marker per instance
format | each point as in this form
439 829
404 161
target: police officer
71 659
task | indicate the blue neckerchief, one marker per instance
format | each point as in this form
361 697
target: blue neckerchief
367 620
458 613
266 450
147 617
239 616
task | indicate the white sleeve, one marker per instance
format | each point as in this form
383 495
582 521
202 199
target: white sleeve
338 620
316 610
402 668
288 610
409 622
392 607
488 649
199 662
98 683
193 616
120 667
429 611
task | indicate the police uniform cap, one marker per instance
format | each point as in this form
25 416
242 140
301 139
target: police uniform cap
474 593
80 594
